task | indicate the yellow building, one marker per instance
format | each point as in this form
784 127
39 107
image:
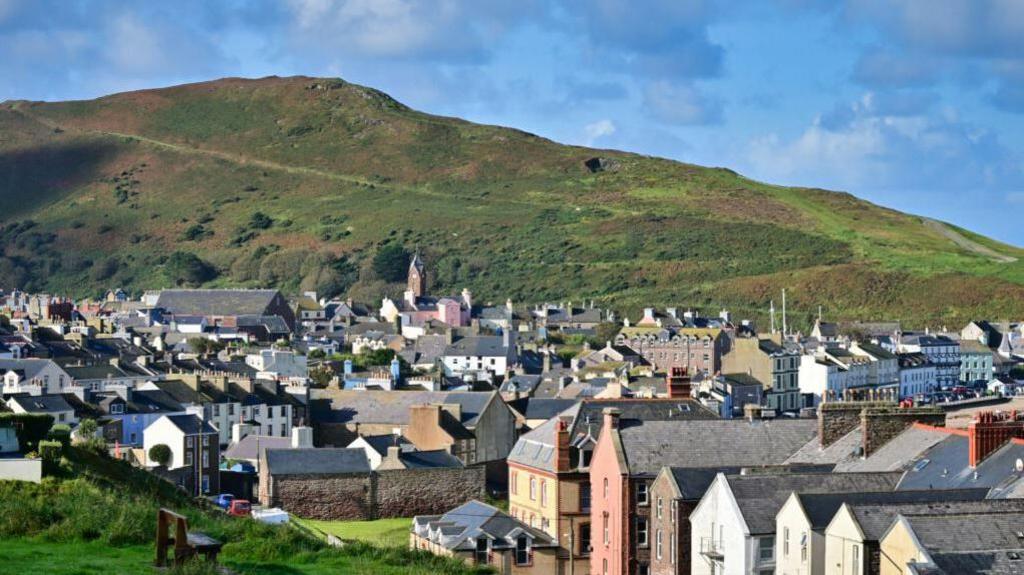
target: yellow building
953 543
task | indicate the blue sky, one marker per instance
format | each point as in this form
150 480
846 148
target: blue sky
913 104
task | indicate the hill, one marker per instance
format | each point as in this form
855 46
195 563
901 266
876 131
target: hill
298 182
98 515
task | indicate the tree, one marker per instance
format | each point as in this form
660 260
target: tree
87 428
160 453
204 346
185 268
391 263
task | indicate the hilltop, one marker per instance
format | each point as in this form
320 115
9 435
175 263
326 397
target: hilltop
297 183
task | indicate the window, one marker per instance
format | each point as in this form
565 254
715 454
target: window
522 551
585 497
641 493
856 559
481 551
657 544
643 569
606 488
216 410
766 548
188 458
785 542
206 440
206 484
803 547
585 539
116 408
661 501
543 493
604 567
604 527
642 539
672 547
675 511
206 458
515 483
533 489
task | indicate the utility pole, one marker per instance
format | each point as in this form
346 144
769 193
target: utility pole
785 328
771 310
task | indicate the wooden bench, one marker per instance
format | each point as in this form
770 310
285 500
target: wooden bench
186 544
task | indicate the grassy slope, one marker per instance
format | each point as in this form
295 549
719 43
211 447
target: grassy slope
103 520
343 168
383 532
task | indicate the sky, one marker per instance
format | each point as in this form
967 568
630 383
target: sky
913 104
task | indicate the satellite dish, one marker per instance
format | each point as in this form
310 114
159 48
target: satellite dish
1019 465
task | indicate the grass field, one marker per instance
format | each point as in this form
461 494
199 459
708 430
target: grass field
31 557
383 532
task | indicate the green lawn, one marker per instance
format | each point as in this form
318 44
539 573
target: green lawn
28 557
382 532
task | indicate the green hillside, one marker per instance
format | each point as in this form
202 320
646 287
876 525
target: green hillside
98 515
297 182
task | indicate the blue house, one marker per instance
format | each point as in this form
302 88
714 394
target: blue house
136 409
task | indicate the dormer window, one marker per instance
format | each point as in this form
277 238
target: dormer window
523 555
116 408
482 551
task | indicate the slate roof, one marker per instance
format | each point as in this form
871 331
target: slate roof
760 496
318 461
951 540
540 407
191 424
948 466
354 406
521 383
649 445
536 447
473 519
480 345
437 458
897 454
822 507
875 519
208 302
29 367
53 403
246 448
693 482
381 443
877 351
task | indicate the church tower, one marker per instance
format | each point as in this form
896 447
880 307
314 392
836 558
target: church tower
417 283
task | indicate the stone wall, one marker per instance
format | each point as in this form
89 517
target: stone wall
837 419
408 492
323 496
879 425
394 493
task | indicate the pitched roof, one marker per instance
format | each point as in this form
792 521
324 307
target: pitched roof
479 345
648 445
693 482
462 526
875 519
392 407
381 443
429 459
319 461
760 496
247 447
208 302
29 367
949 533
191 425
822 507
54 403
947 466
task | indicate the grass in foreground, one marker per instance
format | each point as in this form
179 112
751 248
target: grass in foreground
104 521
382 532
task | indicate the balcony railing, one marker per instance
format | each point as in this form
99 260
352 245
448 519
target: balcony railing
712 549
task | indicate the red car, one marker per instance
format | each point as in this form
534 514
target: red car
240 508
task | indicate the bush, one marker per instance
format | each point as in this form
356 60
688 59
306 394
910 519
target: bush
391 263
184 268
31 428
260 221
49 452
61 433
160 453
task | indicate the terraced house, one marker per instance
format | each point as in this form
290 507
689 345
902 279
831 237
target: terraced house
774 365
694 348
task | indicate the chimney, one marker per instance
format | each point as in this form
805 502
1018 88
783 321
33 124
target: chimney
678 383
562 460
988 432
302 437
611 417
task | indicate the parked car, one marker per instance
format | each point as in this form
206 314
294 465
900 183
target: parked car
240 508
224 501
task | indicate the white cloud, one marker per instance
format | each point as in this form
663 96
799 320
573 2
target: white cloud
597 130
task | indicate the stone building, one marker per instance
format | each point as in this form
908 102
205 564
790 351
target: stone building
336 484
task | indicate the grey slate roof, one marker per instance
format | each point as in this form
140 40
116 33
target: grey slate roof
381 443
30 368
948 466
693 482
472 519
246 448
875 519
318 461
968 532
191 425
479 345
822 507
429 459
541 408
761 496
536 448
897 454
207 302
42 403
357 406
649 445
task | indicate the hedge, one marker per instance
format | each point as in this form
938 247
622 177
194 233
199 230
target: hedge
31 428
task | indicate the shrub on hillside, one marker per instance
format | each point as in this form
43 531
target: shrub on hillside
185 268
31 428
391 263
160 454
61 433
